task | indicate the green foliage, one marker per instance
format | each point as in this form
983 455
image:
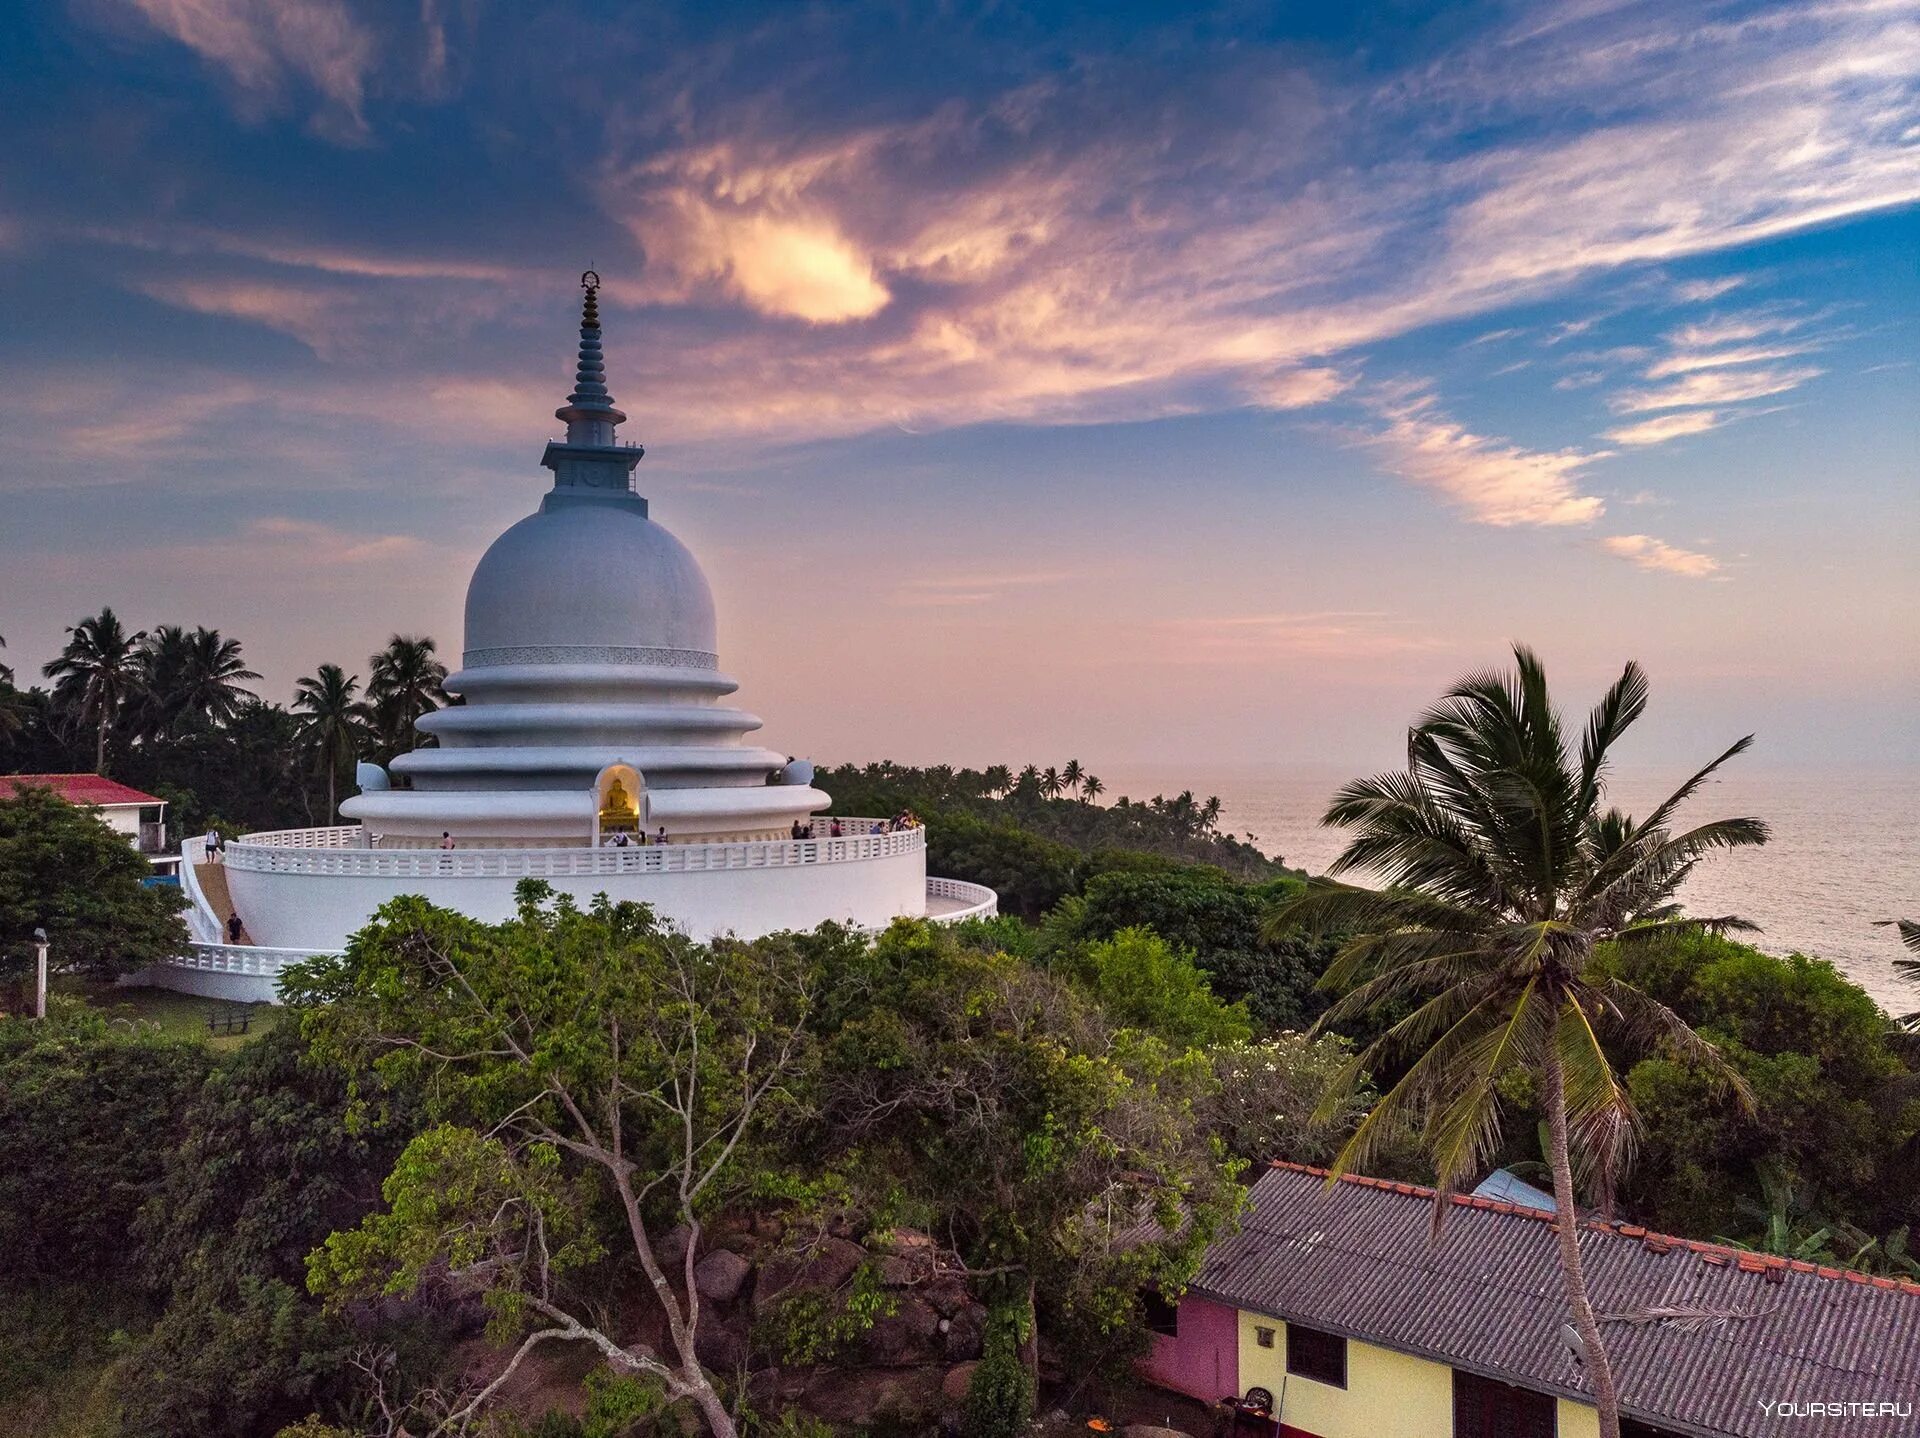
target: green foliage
1180 829
618 1401
1030 873
1000 1395
1218 920
1280 1098
312 1427
265 1166
594 1075
810 1326
63 869
457 1199
88 1114
1142 981
229 1361
1819 1058
1020 1121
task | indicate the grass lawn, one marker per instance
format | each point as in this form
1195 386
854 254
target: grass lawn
181 1015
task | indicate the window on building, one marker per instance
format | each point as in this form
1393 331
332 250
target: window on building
1483 1408
1162 1316
1316 1355
1263 1336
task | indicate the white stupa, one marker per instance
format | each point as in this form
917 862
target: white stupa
594 727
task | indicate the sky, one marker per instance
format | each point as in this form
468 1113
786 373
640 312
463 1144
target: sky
1130 382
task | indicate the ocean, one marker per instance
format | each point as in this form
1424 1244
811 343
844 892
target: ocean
1845 849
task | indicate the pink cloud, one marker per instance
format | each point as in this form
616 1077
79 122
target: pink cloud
1650 553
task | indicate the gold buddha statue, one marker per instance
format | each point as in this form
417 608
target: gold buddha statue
617 810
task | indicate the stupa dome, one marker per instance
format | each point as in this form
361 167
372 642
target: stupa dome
589 582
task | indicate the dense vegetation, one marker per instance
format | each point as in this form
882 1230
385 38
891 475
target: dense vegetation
345 1226
168 710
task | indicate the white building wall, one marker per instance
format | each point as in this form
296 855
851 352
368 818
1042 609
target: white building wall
123 819
318 911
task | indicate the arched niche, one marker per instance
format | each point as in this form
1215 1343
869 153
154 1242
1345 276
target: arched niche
619 802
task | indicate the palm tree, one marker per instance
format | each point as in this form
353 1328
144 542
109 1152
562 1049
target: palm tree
161 701
1071 775
1909 968
95 675
212 687
1209 813
998 778
1050 783
405 684
6 670
1091 788
1505 876
334 723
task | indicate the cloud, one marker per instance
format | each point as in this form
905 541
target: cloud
1666 427
1688 361
1300 388
1715 387
1693 292
1650 553
1495 481
1580 379
944 591
1733 329
1252 638
259 44
321 544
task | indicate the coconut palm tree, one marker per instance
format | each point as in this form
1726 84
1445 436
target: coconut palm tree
1050 783
998 778
95 675
334 723
1505 877
189 678
405 684
1908 968
160 702
213 686
1091 788
1071 775
1209 813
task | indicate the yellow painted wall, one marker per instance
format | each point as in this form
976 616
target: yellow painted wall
1388 1394
1578 1420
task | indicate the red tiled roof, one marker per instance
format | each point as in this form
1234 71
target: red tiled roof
88 789
1701 1334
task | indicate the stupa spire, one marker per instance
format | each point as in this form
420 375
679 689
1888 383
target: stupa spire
590 464
590 412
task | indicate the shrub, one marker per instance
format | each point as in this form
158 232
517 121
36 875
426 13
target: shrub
1000 1396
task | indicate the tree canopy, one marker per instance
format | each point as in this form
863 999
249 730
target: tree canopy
63 869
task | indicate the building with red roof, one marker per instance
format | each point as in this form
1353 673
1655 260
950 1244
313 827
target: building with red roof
141 817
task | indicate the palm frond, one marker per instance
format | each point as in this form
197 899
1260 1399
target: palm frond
1611 717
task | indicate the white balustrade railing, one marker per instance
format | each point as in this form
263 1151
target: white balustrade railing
338 836
202 923
239 959
293 851
981 902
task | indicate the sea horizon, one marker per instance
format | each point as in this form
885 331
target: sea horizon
1844 852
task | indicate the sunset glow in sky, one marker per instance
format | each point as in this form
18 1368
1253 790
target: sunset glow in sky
1030 381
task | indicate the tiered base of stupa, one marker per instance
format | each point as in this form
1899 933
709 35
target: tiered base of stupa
304 891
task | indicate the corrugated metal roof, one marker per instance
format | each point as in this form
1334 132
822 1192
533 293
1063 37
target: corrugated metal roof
1359 1258
1503 1185
87 789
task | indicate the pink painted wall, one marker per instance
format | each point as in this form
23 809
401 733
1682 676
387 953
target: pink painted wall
1203 1359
